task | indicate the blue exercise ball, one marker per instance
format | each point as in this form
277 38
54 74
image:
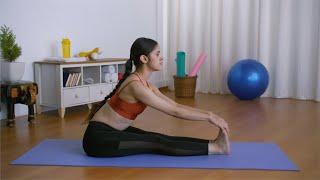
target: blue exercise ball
248 79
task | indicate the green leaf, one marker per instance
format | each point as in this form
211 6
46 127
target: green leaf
9 48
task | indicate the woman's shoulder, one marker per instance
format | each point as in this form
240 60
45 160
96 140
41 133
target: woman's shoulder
131 78
133 81
129 81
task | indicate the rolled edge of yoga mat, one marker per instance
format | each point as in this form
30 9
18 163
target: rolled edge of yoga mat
180 60
196 67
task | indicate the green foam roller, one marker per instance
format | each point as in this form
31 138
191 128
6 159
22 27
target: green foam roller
180 60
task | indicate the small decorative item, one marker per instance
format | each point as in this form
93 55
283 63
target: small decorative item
10 51
88 80
91 55
111 77
107 77
94 56
111 69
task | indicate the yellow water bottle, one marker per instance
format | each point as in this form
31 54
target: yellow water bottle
66 45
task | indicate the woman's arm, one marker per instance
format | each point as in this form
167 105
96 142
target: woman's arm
149 98
158 93
214 119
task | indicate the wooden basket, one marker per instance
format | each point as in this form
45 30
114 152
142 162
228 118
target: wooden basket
185 86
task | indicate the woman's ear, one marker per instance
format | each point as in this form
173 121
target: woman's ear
144 59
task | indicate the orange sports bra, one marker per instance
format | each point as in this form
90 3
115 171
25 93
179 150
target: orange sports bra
126 109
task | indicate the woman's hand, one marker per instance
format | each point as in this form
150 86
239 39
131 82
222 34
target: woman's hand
219 122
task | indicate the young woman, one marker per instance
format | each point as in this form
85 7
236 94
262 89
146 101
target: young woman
110 133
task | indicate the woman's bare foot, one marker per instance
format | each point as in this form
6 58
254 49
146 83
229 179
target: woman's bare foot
220 145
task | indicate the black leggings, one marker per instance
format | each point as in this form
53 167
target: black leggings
101 140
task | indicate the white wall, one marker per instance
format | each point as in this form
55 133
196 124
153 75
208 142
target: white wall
113 25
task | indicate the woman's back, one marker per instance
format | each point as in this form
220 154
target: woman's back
122 108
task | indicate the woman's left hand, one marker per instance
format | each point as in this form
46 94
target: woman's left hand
220 122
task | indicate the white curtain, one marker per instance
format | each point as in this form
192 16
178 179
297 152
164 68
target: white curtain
284 35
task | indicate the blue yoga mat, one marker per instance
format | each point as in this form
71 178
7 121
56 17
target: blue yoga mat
244 155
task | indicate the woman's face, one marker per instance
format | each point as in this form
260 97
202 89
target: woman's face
155 59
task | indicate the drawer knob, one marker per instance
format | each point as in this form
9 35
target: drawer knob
101 92
76 96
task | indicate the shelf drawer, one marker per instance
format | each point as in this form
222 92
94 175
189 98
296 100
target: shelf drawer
98 93
75 96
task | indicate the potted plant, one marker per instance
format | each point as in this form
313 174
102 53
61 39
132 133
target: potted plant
10 51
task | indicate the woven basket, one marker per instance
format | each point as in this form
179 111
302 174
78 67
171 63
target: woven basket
185 86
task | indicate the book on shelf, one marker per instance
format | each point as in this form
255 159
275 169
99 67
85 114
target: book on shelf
76 79
79 77
71 79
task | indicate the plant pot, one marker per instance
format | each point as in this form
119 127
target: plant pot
12 71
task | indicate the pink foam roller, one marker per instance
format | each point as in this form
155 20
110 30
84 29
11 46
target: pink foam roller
196 67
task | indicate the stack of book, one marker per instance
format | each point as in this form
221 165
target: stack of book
71 79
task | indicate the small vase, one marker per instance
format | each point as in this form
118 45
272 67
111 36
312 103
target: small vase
12 71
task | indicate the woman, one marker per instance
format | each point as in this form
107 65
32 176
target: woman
110 133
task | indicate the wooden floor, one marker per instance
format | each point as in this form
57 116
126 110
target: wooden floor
293 124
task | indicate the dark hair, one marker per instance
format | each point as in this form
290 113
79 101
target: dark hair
141 46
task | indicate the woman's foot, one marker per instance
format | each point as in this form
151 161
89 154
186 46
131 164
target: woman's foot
220 145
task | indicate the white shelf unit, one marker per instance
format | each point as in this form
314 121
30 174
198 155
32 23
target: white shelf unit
51 78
